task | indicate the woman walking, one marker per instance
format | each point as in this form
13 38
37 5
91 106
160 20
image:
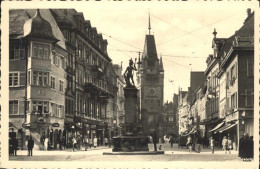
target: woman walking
212 144
95 142
189 144
224 144
229 144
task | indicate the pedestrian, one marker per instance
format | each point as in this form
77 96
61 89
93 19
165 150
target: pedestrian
74 143
207 142
86 143
106 141
95 142
30 146
189 144
64 142
11 149
199 142
212 144
171 141
240 147
229 144
46 140
251 148
246 148
154 140
61 144
15 145
225 144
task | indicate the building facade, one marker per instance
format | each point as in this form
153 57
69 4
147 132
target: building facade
183 111
60 78
37 56
170 123
224 105
93 70
120 98
150 78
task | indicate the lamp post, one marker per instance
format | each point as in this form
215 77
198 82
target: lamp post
115 126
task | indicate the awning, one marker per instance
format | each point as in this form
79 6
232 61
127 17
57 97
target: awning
230 126
222 128
218 126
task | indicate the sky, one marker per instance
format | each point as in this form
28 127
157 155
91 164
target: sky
182 31
183 35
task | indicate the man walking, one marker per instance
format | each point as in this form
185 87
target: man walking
171 141
30 146
15 145
155 140
212 145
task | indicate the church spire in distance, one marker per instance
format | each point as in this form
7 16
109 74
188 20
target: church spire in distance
149 26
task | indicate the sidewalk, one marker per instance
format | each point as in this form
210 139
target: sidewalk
175 150
68 151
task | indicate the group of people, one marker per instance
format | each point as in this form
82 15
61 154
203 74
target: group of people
227 144
194 145
13 146
87 143
246 148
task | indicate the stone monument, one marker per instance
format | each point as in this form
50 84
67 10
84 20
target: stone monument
132 140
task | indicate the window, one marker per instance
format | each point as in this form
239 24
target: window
41 50
53 109
40 107
58 111
249 93
170 118
234 100
40 78
62 62
13 107
61 86
52 82
16 52
54 58
250 67
13 79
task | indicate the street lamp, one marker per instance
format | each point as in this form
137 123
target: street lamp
115 126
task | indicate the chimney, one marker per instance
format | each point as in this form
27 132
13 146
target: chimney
248 12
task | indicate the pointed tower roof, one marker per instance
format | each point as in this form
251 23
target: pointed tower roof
150 51
150 48
161 63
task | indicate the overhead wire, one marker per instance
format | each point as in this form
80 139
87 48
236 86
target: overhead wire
196 29
175 26
156 54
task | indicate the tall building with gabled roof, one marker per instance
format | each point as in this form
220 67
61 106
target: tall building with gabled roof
150 79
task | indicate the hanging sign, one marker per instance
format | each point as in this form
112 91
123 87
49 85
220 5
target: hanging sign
55 125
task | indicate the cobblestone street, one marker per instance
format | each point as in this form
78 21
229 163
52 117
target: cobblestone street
171 154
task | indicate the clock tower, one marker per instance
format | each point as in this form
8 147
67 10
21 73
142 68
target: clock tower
150 80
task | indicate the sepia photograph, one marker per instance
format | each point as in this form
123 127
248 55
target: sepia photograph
130 82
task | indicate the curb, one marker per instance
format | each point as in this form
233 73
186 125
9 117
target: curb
134 153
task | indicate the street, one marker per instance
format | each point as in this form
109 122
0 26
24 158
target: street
171 154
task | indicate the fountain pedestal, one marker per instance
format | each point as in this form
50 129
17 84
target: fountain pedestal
132 140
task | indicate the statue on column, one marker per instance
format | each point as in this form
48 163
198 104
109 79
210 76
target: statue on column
129 73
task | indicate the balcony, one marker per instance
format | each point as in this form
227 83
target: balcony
97 91
35 119
98 70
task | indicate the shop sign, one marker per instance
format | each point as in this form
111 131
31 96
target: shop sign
55 125
232 117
